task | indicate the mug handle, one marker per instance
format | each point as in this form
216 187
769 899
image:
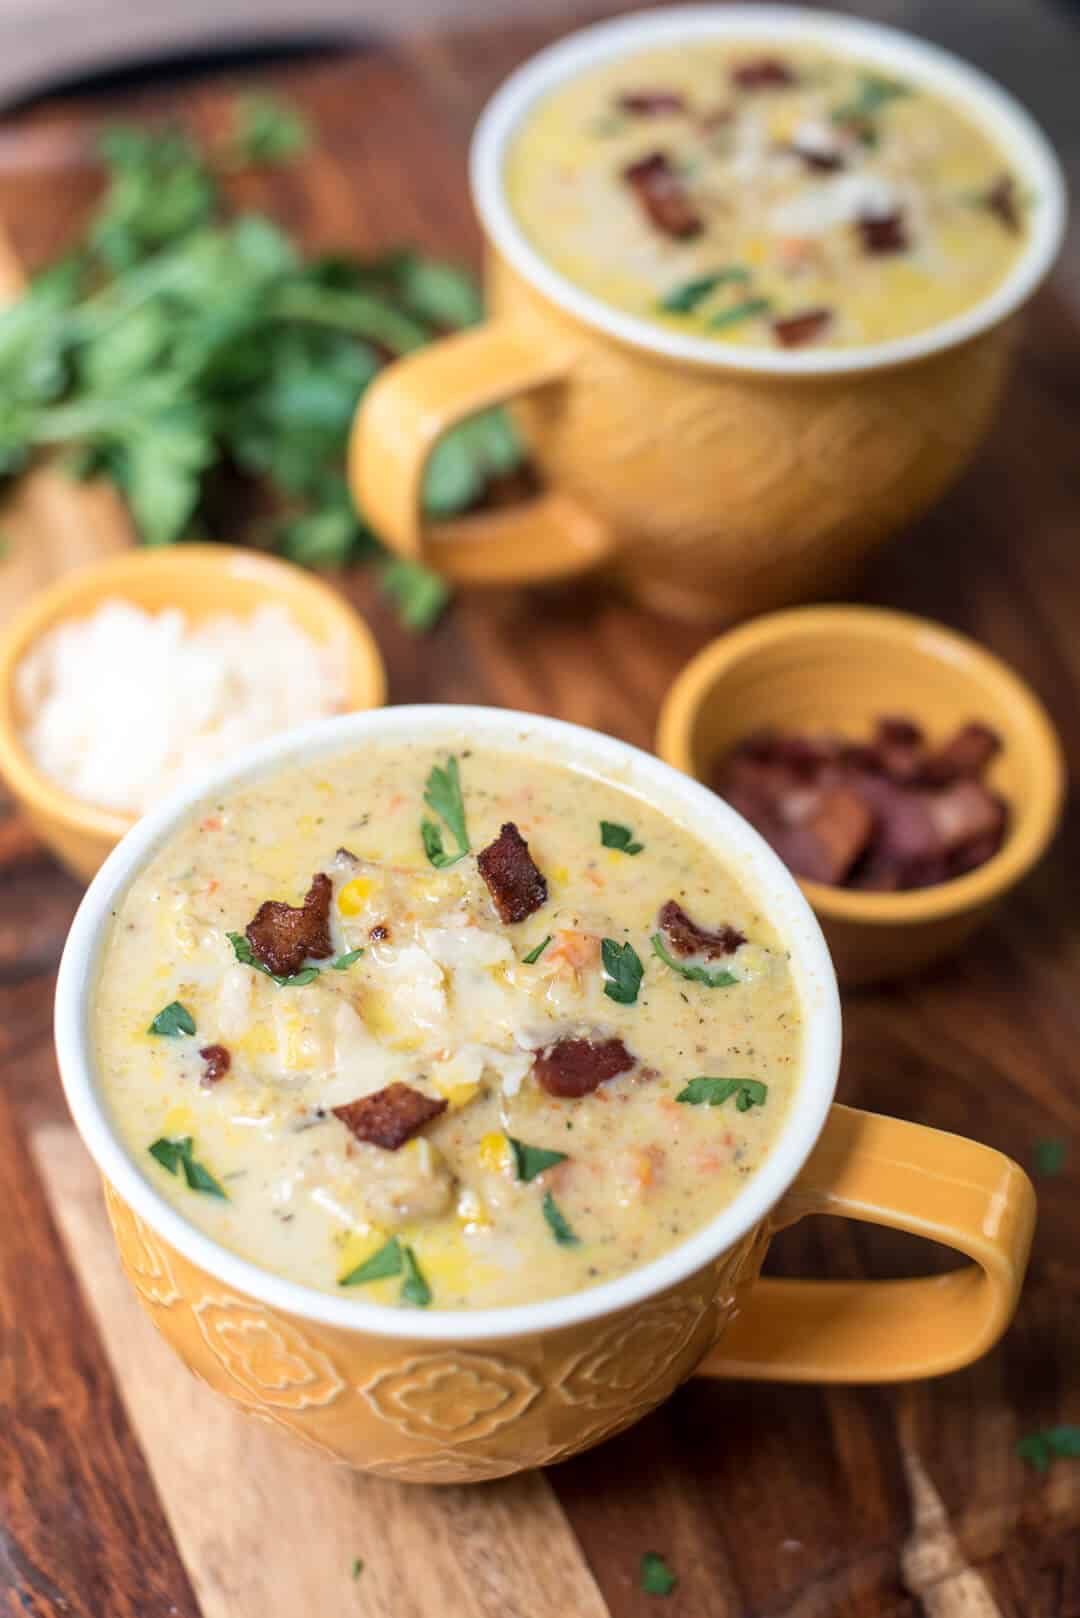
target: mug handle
886 1171
407 408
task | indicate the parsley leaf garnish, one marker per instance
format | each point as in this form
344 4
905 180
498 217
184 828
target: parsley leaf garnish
612 835
708 1092
421 595
268 130
623 969
415 1289
559 1228
178 1154
386 1262
535 954
533 1160
656 1578
749 309
719 979
443 797
875 91
172 1021
1050 1157
684 299
246 956
343 962
357 1566
1052 1444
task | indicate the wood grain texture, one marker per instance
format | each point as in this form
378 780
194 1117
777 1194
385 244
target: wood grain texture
769 1502
241 1501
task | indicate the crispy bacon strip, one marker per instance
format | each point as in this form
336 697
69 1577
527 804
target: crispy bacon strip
819 160
651 103
686 938
964 757
576 1067
794 330
390 1117
283 936
1003 203
883 233
763 73
217 1062
663 197
513 880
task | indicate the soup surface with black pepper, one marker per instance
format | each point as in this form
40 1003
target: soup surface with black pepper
456 1028
766 195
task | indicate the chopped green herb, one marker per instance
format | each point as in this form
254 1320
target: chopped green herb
415 1289
559 1228
535 954
357 1566
387 1261
612 835
606 124
720 979
1050 1157
421 595
174 1155
172 1020
684 299
747 310
623 970
343 962
443 797
268 130
533 1160
656 1577
875 91
1052 1444
246 956
708 1092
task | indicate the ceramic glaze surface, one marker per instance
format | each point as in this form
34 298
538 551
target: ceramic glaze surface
426 985
810 183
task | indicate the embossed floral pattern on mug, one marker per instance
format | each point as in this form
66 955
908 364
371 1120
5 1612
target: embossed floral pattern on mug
452 1395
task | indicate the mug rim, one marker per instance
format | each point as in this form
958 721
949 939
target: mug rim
759 870
994 109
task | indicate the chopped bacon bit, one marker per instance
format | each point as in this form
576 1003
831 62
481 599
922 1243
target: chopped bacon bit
794 330
651 103
883 233
687 938
379 933
283 936
513 880
218 1062
662 195
1004 204
764 73
818 159
391 1116
964 757
883 815
576 1067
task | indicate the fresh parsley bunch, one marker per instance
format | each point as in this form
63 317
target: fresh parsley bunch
178 344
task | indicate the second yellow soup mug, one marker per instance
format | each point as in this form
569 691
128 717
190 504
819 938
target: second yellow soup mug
710 480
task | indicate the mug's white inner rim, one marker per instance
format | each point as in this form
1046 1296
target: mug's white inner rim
1024 148
704 815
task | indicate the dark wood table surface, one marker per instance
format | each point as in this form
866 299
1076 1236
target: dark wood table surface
770 1501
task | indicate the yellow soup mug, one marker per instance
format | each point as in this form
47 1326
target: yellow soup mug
451 1396
709 479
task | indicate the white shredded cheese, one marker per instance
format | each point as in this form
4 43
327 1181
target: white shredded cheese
839 201
123 705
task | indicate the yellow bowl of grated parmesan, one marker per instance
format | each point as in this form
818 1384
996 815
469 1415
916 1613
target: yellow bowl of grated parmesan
133 674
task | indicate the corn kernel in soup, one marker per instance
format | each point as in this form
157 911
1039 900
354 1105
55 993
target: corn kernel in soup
465 1029
766 196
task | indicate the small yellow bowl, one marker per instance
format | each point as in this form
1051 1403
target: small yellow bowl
840 668
200 580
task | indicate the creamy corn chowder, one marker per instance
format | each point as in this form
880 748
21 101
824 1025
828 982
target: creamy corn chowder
460 1029
762 195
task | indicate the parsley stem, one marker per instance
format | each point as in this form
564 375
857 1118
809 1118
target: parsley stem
357 312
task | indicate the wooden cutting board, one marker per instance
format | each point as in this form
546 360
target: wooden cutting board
127 1491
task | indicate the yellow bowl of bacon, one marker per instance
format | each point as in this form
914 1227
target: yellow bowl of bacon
200 580
818 669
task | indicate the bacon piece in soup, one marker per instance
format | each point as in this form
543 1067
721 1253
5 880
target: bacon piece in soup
284 936
390 1117
795 330
662 195
513 879
576 1067
216 1062
685 937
